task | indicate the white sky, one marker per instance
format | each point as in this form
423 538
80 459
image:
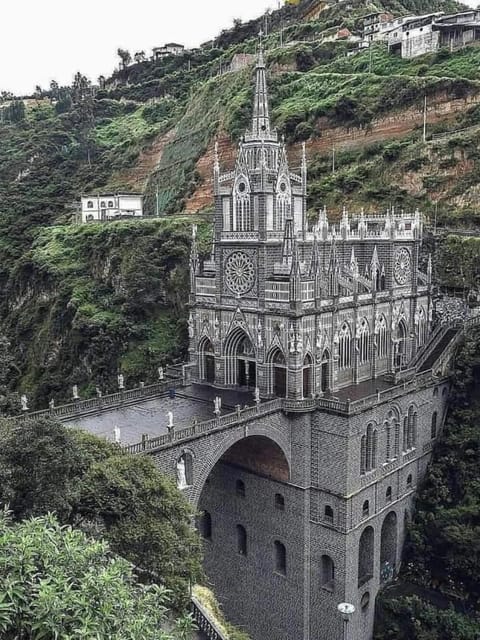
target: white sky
41 40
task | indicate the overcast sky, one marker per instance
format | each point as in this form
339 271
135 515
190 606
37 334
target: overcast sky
41 40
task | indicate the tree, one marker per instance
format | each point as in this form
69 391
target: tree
125 57
139 57
9 402
91 484
50 483
145 519
82 95
56 583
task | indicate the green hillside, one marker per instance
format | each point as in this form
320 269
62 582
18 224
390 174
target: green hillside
79 303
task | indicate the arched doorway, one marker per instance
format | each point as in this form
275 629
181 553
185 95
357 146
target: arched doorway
325 371
206 360
388 547
278 373
240 360
307 376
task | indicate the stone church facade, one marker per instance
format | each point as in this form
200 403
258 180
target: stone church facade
310 311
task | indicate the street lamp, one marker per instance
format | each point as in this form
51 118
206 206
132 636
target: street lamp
346 610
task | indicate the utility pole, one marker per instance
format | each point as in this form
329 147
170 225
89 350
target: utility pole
435 219
425 119
333 159
157 202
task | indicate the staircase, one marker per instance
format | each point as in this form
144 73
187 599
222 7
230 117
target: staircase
433 355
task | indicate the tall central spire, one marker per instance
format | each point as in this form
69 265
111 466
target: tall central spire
261 116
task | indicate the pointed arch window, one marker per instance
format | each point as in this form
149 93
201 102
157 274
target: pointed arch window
363 341
345 347
392 435
368 450
242 218
382 338
433 433
422 327
410 430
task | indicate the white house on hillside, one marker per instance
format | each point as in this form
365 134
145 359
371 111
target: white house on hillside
169 49
110 206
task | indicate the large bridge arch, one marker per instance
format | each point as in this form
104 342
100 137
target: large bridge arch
248 433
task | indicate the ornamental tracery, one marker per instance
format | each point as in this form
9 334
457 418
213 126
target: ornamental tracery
239 273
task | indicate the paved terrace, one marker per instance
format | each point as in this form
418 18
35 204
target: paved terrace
190 404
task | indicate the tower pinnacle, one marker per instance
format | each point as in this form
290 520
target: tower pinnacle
261 115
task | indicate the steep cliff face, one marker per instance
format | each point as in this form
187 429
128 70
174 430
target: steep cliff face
80 303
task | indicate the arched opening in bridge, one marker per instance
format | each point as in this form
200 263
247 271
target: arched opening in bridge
365 556
206 359
278 373
307 376
388 547
253 506
325 371
240 360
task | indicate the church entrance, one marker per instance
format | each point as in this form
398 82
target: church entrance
247 373
240 360
206 361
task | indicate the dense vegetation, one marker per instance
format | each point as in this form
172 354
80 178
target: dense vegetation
57 583
439 592
92 485
79 304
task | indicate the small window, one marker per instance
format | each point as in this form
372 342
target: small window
409 480
241 540
89 217
206 526
329 513
328 573
366 509
279 502
388 494
433 432
280 558
110 204
435 392
240 488
90 204
365 601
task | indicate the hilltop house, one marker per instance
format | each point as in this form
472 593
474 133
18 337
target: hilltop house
105 207
412 36
169 49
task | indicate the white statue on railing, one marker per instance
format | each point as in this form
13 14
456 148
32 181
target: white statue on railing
117 434
170 420
161 374
181 473
257 396
51 404
217 405
75 392
98 392
24 402
121 381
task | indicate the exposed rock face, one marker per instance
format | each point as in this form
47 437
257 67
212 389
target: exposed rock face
395 125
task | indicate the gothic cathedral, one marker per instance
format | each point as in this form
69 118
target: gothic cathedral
325 316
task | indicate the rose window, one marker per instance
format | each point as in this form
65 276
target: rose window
402 268
239 273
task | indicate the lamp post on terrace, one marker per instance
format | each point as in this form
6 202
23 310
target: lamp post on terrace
346 610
